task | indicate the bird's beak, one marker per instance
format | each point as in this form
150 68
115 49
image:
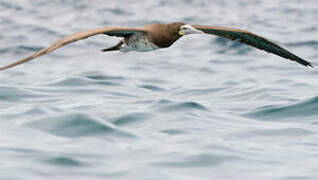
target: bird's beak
193 30
190 30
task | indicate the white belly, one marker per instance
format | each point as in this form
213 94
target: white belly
138 42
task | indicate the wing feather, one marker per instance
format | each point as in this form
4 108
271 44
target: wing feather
253 40
111 31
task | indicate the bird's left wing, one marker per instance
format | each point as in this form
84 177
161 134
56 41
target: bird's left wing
251 39
111 31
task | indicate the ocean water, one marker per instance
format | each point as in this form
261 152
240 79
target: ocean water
205 108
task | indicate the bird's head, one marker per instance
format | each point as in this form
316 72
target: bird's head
188 29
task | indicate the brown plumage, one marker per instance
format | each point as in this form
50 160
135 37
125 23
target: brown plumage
163 35
155 36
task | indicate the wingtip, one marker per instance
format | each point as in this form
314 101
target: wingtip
308 64
304 62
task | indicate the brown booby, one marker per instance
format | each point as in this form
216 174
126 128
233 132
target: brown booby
156 36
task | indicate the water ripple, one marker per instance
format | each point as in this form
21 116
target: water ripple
10 5
200 92
16 94
169 106
77 125
310 43
152 87
281 132
131 118
200 160
82 81
63 161
303 109
116 11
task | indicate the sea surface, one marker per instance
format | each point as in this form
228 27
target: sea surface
205 108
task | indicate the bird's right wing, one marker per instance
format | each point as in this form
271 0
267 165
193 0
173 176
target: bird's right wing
111 31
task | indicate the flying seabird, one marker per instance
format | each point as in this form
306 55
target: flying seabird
156 36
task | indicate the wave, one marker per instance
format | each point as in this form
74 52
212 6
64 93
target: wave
63 161
131 118
301 110
85 81
199 160
169 106
16 94
310 43
77 125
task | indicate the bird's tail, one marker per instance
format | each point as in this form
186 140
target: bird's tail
114 48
